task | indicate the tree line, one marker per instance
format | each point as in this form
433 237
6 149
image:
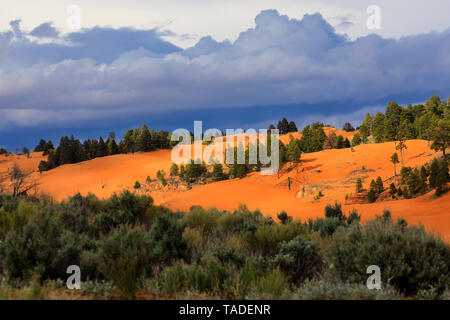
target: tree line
71 150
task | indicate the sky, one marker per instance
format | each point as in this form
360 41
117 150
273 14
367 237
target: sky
232 64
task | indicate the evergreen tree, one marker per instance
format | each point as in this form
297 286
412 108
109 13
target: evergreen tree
366 128
440 135
393 115
330 141
102 148
378 127
49 146
294 151
313 138
356 140
129 141
283 126
112 146
340 142
379 184
394 160
43 166
358 185
292 127
348 127
41 146
217 174
144 140
174 169
401 146
434 171
347 143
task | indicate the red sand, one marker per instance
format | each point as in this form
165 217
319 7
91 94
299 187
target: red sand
328 170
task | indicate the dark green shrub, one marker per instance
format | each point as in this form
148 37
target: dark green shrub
42 248
334 211
298 259
227 255
353 217
410 259
326 226
284 218
166 239
371 196
208 278
266 238
129 207
125 258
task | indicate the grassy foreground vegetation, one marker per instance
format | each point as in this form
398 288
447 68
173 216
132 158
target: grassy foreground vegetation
127 247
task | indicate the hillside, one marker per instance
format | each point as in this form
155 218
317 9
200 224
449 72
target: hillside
333 172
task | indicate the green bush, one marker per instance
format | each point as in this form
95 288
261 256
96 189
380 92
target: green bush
129 207
166 240
125 258
272 286
334 211
298 259
266 238
410 258
42 248
327 226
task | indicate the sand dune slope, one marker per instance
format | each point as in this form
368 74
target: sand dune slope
333 172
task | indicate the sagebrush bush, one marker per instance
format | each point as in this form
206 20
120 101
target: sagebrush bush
125 258
298 259
128 207
410 258
273 286
266 238
42 248
166 239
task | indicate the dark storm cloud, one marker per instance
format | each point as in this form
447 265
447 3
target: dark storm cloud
105 72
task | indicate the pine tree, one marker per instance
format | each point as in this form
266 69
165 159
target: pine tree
379 183
358 185
348 127
174 170
347 143
49 146
440 135
144 140
292 127
41 146
112 146
378 127
401 146
217 174
43 166
129 141
294 152
283 126
340 144
102 148
356 140
394 160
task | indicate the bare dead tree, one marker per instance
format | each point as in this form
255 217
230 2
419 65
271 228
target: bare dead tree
20 181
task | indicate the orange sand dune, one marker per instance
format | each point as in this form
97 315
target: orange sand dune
28 164
333 172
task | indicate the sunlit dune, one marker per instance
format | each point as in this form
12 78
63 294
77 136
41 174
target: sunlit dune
333 172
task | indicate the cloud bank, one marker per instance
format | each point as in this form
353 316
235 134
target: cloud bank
106 72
